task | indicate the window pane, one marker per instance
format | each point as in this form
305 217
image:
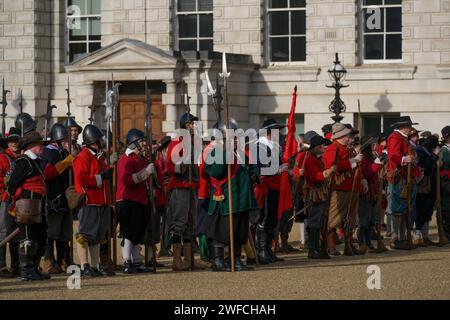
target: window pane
298 22
279 49
187 45
372 21
205 5
388 121
372 125
279 23
298 49
373 47
206 25
81 4
394 19
392 1
206 45
78 33
76 51
186 5
277 3
94 46
372 2
94 7
298 3
393 46
187 26
95 29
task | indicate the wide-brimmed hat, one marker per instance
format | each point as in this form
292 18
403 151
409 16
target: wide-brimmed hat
308 137
317 141
414 132
367 141
13 134
32 137
445 132
163 143
340 130
403 121
272 124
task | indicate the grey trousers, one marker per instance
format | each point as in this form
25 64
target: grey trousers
178 214
6 221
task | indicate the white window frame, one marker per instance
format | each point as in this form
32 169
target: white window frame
88 17
362 33
197 13
289 36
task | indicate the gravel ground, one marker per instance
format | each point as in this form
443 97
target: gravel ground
423 273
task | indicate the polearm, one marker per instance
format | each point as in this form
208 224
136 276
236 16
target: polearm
93 109
47 116
20 101
443 240
380 245
225 75
407 215
148 134
69 115
4 105
187 106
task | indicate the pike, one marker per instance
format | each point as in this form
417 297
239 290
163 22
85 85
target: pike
225 75
187 105
148 134
443 240
69 114
407 215
216 96
20 101
4 105
93 109
324 227
380 245
48 116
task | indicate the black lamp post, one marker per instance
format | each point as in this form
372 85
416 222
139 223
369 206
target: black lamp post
337 73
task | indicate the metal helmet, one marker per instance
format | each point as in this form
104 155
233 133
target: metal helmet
186 118
91 134
133 136
70 122
220 125
25 123
58 132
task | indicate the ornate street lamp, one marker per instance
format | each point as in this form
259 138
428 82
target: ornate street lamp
337 74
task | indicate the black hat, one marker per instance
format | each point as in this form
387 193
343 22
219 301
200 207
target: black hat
328 128
431 142
445 132
403 121
91 134
70 122
30 138
163 143
13 133
187 118
349 126
272 124
308 136
317 141
414 132
367 141
25 122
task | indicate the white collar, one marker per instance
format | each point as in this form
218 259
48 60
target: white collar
52 147
31 155
405 135
128 152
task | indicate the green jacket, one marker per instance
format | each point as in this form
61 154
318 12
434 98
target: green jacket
241 186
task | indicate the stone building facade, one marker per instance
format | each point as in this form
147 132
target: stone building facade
398 62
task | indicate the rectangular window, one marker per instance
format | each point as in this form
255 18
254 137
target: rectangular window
195 25
83 28
287 30
381 30
374 124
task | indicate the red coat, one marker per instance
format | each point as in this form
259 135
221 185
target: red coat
398 147
127 189
313 171
5 168
369 172
87 169
176 181
161 191
344 178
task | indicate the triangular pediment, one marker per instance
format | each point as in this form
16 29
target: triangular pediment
125 54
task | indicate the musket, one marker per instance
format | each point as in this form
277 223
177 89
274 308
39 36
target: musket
443 240
9 237
407 215
4 105
69 114
186 101
348 251
48 116
225 75
93 109
20 101
380 244
324 227
148 134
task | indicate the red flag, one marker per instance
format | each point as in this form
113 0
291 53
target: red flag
285 201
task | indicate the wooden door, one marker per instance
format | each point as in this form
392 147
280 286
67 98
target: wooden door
132 115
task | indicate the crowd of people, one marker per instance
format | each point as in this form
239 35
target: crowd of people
345 189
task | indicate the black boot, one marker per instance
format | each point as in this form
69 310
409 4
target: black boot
14 252
27 256
269 240
4 272
314 243
128 267
218 258
261 248
238 264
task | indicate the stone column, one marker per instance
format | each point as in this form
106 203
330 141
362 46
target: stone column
84 95
169 100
